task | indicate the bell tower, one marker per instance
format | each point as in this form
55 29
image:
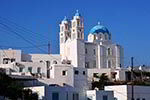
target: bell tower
64 34
77 27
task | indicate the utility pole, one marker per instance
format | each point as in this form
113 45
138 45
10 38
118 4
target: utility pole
132 79
49 48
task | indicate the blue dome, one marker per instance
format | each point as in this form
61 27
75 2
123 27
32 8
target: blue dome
99 29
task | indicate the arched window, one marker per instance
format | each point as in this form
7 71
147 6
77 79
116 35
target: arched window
109 51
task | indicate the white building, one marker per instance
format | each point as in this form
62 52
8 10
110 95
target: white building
98 52
123 92
77 62
100 95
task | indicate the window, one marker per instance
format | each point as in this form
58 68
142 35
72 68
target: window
78 35
5 60
38 70
87 65
85 50
75 96
13 60
138 99
30 69
143 99
95 74
105 97
94 37
66 26
48 71
48 64
76 72
55 96
20 69
94 63
78 22
109 51
94 51
109 64
83 72
64 73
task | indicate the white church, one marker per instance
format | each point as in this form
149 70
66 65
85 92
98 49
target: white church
68 75
98 52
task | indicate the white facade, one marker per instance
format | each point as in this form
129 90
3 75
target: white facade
123 92
98 52
100 95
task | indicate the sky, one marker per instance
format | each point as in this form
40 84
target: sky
37 21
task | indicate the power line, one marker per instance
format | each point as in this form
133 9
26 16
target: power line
23 28
17 34
23 47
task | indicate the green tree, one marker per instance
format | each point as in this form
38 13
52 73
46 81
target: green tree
9 88
102 81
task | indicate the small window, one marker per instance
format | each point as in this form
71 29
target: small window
105 97
55 96
95 74
48 64
13 60
78 35
20 69
94 37
109 51
94 51
109 64
94 63
138 99
76 72
64 73
75 96
87 65
83 72
30 69
143 99
38 70
85 50
78 22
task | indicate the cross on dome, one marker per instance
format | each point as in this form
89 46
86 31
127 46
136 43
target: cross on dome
65 18
77 13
